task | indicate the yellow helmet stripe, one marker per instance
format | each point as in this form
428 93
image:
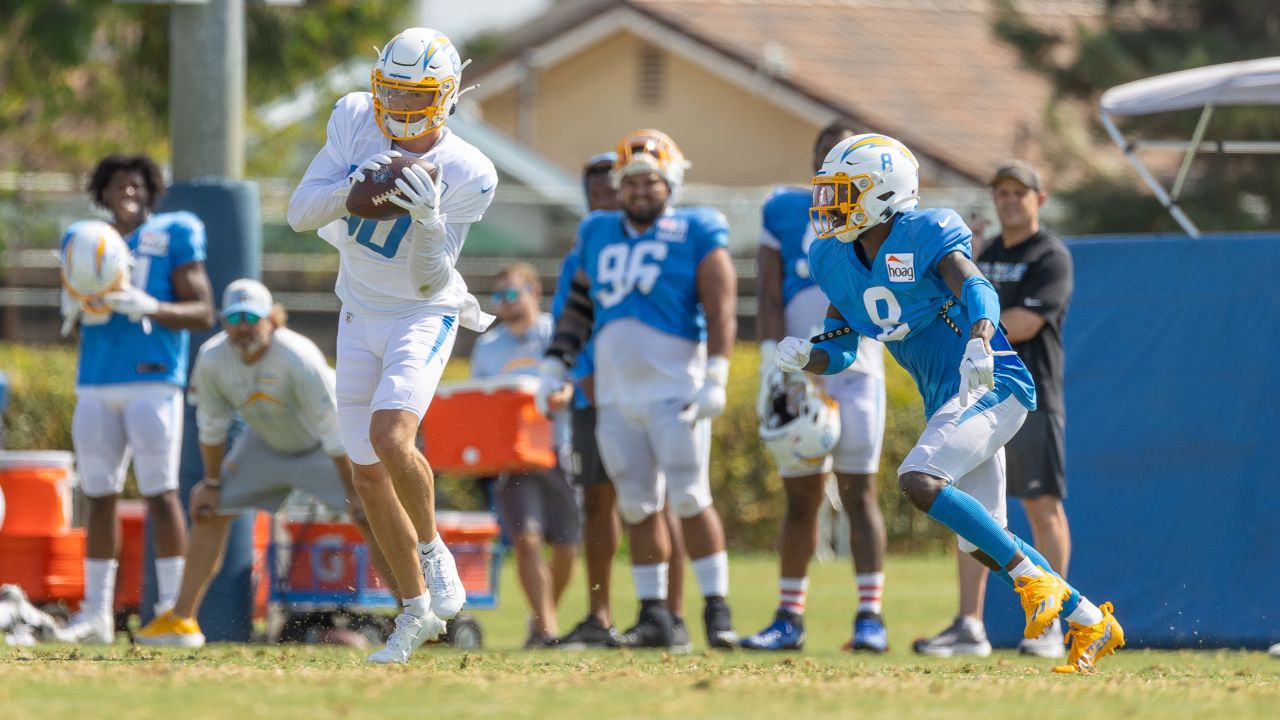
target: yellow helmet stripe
102 249
882 140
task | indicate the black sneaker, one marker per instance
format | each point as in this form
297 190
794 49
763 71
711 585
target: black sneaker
718 621
538 641
652 628
589 633
680 636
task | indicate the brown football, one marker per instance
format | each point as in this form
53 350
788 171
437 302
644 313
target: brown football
370 198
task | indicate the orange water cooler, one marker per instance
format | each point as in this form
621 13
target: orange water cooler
39 550
487 427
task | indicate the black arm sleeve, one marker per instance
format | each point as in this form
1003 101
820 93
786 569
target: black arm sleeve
575 325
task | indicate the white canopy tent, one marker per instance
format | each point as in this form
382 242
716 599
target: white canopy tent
1252 82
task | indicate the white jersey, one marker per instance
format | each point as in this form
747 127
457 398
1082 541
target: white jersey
373 274
287 397
637 363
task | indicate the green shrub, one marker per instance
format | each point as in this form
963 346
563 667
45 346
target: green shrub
748 492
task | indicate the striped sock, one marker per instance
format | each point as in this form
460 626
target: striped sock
870 591
792 593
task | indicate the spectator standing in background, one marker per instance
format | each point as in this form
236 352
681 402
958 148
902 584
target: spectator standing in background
537 506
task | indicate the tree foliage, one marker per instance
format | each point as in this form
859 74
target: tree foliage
1138 39
80 78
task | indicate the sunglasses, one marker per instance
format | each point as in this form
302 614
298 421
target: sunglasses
509 295
242 318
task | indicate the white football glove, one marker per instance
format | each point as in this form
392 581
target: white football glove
711 398
552 377
70 313
421 195
133 302
370 166
977 368
793 354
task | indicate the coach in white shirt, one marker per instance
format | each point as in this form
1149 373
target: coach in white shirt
280 383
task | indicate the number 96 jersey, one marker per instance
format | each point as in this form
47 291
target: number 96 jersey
649 324
902 301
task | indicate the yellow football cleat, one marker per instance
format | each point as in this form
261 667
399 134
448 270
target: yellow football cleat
1090 643
170 631
1042 599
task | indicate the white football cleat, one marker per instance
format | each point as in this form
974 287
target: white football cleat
411 631
443 584
87 628
1275 650
1050 644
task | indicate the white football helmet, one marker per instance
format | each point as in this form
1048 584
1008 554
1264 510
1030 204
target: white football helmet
863 181
416 83
798 421
95 261
650 151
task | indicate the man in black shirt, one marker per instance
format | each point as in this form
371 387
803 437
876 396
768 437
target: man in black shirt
1031 270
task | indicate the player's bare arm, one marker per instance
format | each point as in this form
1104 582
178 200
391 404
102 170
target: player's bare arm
769 314
207 493
194 308
955 269
718 292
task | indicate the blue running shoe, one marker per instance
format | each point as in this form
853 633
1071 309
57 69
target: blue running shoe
869 633
785 633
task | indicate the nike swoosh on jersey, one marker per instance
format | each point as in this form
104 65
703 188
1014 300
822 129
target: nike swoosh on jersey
484 190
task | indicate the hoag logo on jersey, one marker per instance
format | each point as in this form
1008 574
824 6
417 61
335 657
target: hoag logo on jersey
670 229
901 267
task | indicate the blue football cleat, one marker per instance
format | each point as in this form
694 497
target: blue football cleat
869 633
786 632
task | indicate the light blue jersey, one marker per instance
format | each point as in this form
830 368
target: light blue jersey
119 351
584 363
786 228
903 301
501 353
652 277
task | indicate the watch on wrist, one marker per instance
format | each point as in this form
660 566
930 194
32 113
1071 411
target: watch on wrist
213 483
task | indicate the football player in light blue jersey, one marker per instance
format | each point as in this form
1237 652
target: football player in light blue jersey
905 277
656 292
131 374
792 304
601 530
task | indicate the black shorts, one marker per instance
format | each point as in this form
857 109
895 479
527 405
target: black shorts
1035 459
586 467
541 502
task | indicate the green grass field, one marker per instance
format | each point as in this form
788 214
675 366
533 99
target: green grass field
502 681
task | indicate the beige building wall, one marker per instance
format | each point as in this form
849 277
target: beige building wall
584 104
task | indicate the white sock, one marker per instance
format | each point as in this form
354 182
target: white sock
792 593
650 580
712 572
418 606
427 549
99 586
1086 613
169 580
1026 568
10 617
870 591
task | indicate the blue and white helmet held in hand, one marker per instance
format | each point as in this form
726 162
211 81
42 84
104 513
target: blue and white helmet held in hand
416 83
799 423
863 182
95 260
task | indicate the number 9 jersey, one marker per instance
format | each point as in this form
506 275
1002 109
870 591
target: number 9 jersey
649 329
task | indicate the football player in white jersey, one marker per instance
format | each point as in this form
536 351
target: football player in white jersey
402 303
131 372
791 303
657 290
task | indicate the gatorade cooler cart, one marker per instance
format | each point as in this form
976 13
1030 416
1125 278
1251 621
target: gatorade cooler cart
321 569
39 550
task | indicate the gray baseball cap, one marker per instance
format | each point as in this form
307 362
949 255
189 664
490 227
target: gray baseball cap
1020 171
